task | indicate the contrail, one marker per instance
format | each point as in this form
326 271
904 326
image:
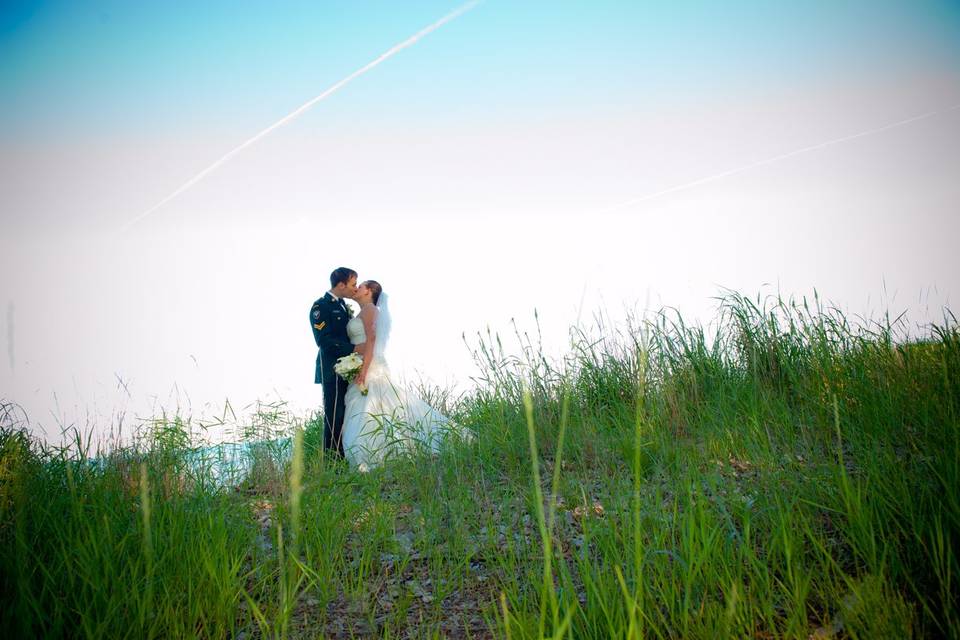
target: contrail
782 156
300 110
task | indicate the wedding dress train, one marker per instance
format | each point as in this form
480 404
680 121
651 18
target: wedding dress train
388 420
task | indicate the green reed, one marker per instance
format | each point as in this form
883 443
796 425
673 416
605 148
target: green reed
784 471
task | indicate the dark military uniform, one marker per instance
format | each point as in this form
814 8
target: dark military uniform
329 320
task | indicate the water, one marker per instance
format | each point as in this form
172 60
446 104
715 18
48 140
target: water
229 463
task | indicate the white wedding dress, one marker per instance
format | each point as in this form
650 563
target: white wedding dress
389 420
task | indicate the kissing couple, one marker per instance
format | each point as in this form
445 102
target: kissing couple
367 418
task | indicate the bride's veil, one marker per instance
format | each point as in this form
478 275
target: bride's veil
383 325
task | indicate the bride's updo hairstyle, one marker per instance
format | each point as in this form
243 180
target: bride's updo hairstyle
375 289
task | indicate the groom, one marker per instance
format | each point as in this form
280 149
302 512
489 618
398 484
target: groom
329 316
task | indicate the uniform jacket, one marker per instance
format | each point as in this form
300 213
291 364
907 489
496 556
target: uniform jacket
329 317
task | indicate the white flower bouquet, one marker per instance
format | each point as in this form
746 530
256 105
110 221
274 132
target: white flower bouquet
348 368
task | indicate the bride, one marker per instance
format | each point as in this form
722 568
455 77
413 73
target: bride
385 419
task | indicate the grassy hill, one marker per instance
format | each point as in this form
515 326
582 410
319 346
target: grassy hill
791 473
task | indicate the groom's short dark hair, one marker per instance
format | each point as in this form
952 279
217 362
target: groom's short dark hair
341 274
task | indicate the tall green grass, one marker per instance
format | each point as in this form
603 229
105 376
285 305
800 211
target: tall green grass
786 472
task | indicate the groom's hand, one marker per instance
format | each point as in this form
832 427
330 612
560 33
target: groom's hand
359 348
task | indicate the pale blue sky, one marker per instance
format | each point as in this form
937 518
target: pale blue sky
476 174
109 68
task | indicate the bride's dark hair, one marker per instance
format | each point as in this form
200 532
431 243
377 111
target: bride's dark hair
375 288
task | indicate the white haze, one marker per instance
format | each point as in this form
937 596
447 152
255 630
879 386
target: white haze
467 227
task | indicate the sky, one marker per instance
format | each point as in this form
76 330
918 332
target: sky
569 159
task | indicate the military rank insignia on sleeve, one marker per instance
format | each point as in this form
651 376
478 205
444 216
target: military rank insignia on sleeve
320 326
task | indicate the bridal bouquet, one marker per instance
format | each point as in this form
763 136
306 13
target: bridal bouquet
348 368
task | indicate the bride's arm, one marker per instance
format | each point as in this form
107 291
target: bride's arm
369 316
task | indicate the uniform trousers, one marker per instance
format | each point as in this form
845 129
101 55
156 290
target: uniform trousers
333 411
